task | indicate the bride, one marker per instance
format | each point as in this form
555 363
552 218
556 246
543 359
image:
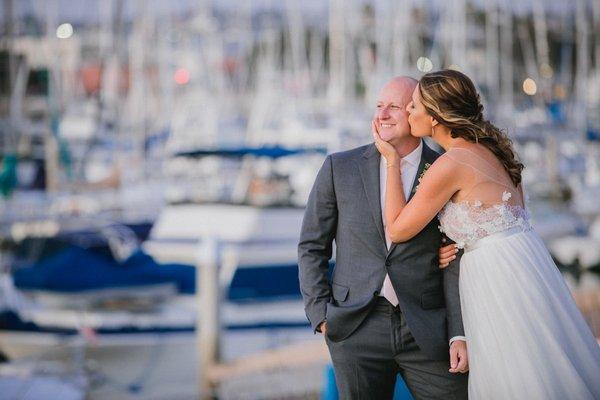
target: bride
525 336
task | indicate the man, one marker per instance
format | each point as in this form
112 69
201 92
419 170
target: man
388 308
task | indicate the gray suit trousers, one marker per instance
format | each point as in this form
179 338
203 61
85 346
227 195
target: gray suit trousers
367 362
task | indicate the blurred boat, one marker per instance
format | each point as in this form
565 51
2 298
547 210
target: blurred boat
134 334
141 340
213 122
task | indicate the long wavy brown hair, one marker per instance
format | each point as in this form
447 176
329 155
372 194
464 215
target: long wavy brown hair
451 98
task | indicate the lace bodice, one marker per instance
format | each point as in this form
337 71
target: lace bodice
465 222
488 203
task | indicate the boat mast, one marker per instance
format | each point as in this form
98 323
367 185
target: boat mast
10 140
491 49
51 150
506 62
582 66
596 30
338 79
529 59
541 46
457 28
402 37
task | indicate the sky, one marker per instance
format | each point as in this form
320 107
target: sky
89 11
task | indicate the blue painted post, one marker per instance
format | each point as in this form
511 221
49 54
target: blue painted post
330 391
401 392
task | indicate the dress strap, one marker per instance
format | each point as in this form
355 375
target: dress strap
488 176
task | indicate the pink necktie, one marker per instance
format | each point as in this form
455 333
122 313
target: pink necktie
388 290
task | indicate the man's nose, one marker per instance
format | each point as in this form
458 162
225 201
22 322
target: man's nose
384 112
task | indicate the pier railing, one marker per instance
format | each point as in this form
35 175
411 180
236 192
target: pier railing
588 301
216 260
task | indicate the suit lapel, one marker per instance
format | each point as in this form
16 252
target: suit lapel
369 172
427 158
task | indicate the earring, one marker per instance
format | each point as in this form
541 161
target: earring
432 131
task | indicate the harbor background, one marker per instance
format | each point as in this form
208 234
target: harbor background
156 158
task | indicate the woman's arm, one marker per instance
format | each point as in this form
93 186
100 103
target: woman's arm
394 192
404 221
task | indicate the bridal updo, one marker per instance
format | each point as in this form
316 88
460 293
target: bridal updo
450 97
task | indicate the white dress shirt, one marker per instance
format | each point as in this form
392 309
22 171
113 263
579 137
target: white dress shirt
409 166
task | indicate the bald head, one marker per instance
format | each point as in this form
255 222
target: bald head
403 86
391 116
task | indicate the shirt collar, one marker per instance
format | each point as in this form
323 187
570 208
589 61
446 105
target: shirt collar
413 158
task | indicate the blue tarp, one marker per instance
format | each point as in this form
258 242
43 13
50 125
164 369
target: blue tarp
8 175
75 269
265 151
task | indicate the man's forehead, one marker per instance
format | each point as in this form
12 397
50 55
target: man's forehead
397 90
393 94
390 97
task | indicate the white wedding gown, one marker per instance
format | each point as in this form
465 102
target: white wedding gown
526 338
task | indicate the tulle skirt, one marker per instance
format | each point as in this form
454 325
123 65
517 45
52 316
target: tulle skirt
526 337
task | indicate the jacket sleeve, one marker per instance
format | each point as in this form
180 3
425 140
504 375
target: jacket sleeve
451 292
316 244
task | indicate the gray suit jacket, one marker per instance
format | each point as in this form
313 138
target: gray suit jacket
344 205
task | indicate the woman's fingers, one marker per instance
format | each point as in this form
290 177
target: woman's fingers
386 149
448 250
447 254
374 131
448 259
374 127
376 138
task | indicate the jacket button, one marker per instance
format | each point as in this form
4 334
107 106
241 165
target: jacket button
388 263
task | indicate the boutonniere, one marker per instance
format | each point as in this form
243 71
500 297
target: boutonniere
425 168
